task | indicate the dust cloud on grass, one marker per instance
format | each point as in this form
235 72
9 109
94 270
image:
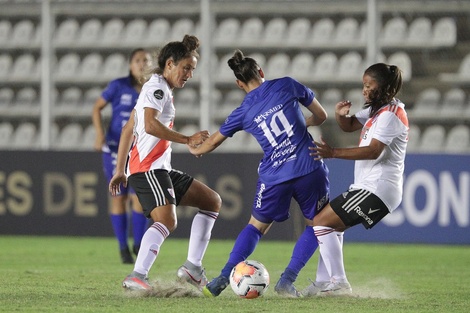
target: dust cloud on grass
167 289
380 288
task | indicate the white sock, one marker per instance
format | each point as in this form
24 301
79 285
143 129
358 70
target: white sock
201 230
322 271
331 251
150 247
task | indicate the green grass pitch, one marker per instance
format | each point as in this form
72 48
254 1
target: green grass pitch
59 274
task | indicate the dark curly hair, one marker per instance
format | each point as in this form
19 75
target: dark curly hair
177 50
390 81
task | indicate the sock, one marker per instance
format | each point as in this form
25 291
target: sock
139 226
322 271
244 246
119 222
201 230
150 247
303 250
332 254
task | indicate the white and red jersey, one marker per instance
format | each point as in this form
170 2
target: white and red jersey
149 152
384 175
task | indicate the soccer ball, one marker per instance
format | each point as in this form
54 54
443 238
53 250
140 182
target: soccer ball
249 279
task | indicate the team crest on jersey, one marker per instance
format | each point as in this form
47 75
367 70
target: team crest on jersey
158 94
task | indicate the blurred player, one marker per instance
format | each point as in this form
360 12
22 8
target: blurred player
122 93
271 112
378 173
159 187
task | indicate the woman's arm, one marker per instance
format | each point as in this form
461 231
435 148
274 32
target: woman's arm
155 128
208 145
318 116
370 152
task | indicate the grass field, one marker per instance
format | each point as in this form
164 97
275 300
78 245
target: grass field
57 274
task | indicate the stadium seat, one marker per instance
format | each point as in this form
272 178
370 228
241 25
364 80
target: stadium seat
112 32
6 133
322 32
432 139
464 68
414 136
37 36
88 138
158 31
25 136
325 67
350 67
5 32
329 98
232 100
89 98
6 62
420 32
394 32
403 61
298 31
6 98
275 31
278 65
227 32
444 32
114 66
90 32
69 137
346 32
22 33
224 72
69 102
362 34
302 66
24 67
427 102
67 66
67 32
453 101
134 32
186 98
182 27
251 31
356 97
26 102
458 139
91 66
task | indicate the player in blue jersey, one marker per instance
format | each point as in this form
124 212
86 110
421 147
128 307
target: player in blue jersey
271 112
122 94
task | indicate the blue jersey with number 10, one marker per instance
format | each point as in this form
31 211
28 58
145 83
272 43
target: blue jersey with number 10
271 113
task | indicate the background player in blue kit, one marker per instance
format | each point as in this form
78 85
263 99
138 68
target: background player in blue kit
122 93
271 112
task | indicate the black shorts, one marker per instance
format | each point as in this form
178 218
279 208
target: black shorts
159 187
359 206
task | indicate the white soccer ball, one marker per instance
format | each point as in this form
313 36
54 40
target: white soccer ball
249 279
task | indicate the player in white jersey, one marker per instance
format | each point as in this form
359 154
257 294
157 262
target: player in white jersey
378 173
159 187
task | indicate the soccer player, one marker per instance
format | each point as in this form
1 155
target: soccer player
378 173
271 112
159 187
122 93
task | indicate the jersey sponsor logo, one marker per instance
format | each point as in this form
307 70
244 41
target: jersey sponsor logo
158 94
259 196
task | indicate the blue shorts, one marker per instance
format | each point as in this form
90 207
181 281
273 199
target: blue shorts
311 191
109 167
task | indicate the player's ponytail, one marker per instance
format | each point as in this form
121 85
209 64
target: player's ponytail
244 68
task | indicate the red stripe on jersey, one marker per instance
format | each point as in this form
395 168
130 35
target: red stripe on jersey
137 166
395 109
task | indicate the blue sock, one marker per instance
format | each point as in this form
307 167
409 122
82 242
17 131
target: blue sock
139 226
244 246
303 251
119 222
